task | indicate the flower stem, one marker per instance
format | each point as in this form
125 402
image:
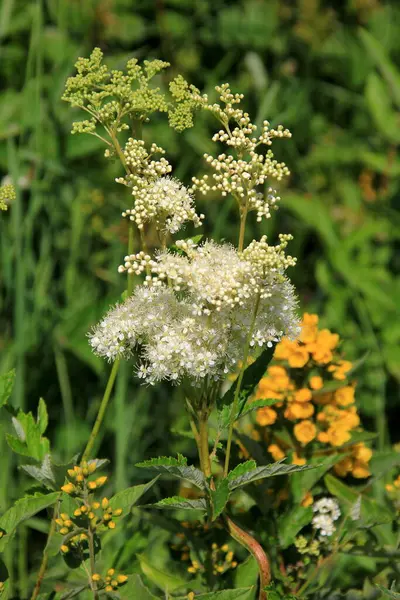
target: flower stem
238 387
45 557
251 544
102 411
203 445
243 217
93 584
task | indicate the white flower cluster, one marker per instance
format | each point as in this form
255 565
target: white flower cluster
326 511
241 176
165 201
192 317
141 166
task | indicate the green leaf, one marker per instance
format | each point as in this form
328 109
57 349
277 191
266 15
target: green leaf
22 510
219 498
6 386
178 502
256 404
126 499
44 474
268 471
167 461
174 467
292 522
17 445
42 416
241 469
237 594
247 572
3 571
372 513
251 378
303 482
388 593
165 581
134 589
386 66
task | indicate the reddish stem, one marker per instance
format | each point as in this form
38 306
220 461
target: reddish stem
251 544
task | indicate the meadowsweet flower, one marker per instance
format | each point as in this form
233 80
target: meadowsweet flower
192 315
326 511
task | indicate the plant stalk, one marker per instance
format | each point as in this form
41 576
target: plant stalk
102 411
238 387
93 584
205 462
45 557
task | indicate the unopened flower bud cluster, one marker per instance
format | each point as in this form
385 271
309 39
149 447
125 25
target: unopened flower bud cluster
7 195
90 514
241 174
111 582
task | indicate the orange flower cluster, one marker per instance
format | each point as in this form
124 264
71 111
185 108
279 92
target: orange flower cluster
309 378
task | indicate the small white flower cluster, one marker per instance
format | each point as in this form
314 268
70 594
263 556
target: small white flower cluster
326 511
192 317
165 201
242 176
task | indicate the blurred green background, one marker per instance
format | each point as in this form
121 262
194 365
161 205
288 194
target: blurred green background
326 70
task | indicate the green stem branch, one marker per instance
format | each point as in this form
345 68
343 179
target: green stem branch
238 387
45 556
102 411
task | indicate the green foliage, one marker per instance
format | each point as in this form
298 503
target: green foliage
127 498
176 468
292 522
22 510
30 441
271 470
177 502
6 386
389 593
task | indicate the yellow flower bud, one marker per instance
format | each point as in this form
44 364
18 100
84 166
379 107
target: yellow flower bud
91 515
83 537
91 467
68 523
77 512
64 516
64 548
114 583
71 473
96 577
225 548
111 525
110 572
117 512
60 522
108 588
101 480
122 578
95 505
1 585
84 508
92 485
79 478
68 488
64 530
77 469
104 503
85 472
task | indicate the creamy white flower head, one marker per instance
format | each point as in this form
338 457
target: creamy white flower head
327 506
165 201
324 524
191 318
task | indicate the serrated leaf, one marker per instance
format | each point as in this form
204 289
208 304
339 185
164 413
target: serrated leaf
251 378
23 509
6 386
42 416
19 430
181 461
256 404
388 593
164 581
17 445
303 482
176 469
372 513
126 499
44 474
179 502
292 522
241 469
219 498
267 471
